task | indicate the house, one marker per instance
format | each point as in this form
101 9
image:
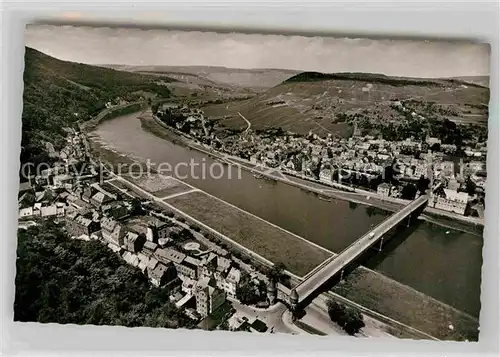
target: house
26 212
432 141
232 281
325 175
130 258
362 146
162 274
192 314
223 263
422 170
54 210
112 231
452 201
86 194
187 285
384 189
183 266
208 296
207 265
77 225
448 148
149 249
133 242
99 199
152 263
62 180
156 230
189 267
167 255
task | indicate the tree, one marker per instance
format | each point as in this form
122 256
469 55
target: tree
409 191
136 207
423 184
277 272
98 287
351 320
436 147
470 187
247 294
388 174
224 325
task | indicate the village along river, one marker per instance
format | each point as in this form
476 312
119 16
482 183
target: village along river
437 261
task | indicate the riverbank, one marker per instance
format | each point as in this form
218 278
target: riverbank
257 235
357 196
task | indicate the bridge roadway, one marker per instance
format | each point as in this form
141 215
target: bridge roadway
330 267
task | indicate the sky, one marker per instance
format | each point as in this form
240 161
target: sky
132 46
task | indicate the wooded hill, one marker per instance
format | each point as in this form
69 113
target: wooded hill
59 93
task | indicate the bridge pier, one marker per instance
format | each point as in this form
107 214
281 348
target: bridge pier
341 274
408 222
380 245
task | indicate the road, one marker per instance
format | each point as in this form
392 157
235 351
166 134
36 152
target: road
26 224
335 264
248 123
279 319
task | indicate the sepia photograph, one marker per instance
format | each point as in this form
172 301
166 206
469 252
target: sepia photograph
272 184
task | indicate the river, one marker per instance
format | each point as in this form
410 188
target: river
437 261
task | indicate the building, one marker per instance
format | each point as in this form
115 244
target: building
153 229
99 199
26 212
186 266
325 175
134 242
162 274
63 180
191 266
232 281
149 249
384 189
223 263
85 194
208 296
112 231
55 210
451 201
187 285
77 225
208 265
433 141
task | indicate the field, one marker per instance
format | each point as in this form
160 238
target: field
158 185
301 106
404 304
269 241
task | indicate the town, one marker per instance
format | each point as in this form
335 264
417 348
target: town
205 277
400 169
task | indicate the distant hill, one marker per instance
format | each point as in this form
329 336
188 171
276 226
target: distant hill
319 102
479 80
217 76
58 93
383 79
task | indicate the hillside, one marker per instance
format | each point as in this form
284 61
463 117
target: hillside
327 103
480 80
68 281
58 93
